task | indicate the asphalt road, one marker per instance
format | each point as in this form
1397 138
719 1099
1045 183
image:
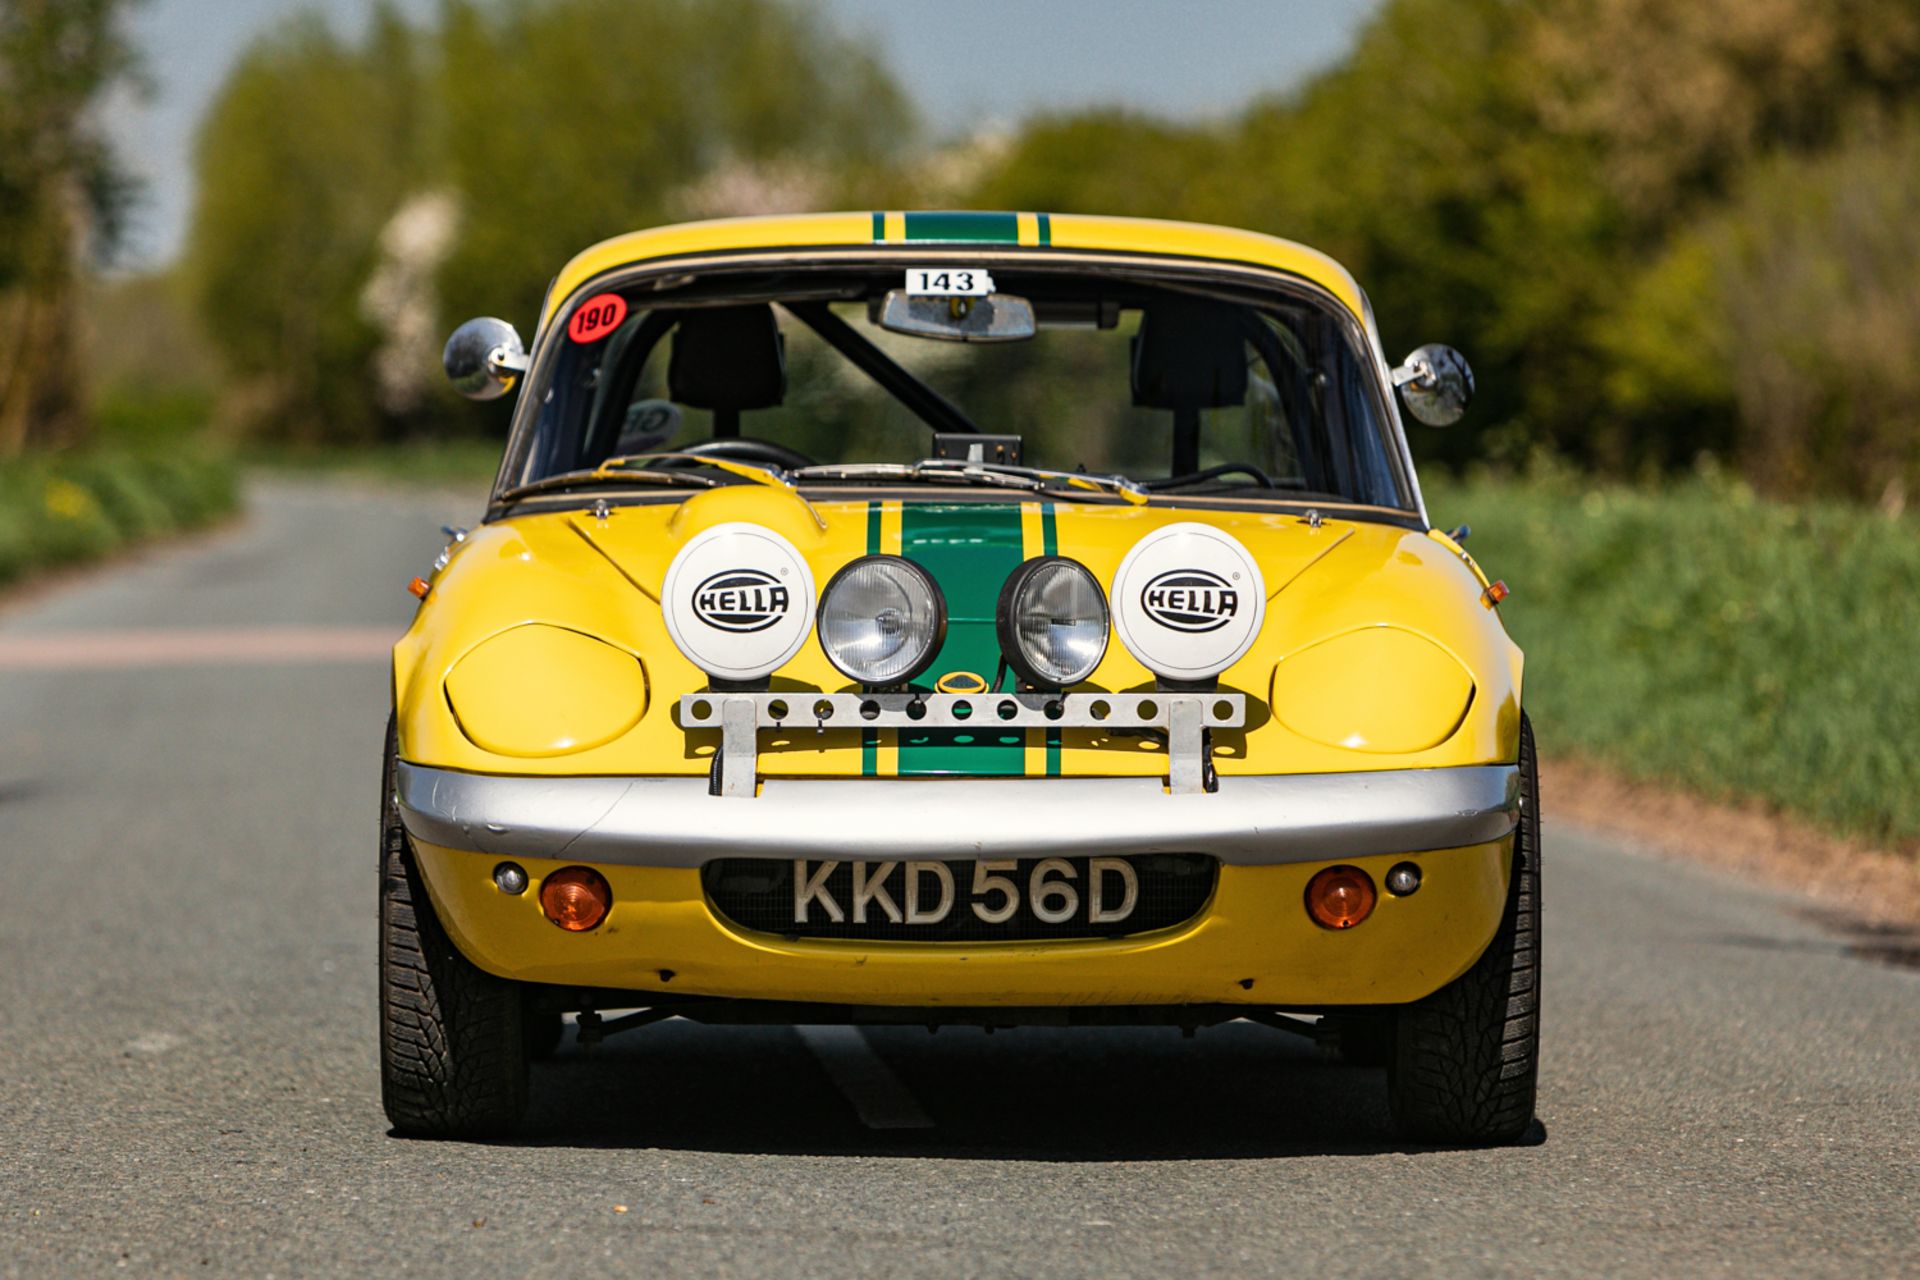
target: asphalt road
188 1055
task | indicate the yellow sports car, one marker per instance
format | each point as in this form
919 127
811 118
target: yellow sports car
978 618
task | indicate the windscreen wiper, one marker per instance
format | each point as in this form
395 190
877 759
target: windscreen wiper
616 471
887 472
1068 482
1254 474
1063 484
597 478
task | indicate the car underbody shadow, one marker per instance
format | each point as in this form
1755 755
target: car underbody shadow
1237 1091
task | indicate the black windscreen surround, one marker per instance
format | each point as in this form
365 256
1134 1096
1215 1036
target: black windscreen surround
1220 389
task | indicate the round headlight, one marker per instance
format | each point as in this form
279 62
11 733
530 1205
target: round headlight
882 620
1053 622
738 601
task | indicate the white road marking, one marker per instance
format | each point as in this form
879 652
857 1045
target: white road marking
877 1095
154 1042
143 648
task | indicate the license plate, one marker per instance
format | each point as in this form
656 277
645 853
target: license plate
998 900
1097 892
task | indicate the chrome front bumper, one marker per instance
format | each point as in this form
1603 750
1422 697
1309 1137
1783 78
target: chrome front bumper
675 822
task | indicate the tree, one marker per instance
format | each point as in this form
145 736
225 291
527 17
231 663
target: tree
1525 181
357 198
61 197
1797 303
573 120
1678 98
304 157
1422 163
1100 161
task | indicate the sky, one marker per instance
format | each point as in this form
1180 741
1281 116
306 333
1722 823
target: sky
966 64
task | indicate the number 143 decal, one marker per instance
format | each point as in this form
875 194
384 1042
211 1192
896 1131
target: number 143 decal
949 282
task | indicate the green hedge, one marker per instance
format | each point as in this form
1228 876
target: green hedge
64 508
1698 635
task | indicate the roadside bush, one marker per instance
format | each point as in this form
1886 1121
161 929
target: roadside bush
1799 305
1702 636
64 508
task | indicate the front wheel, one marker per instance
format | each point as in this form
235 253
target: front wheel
1466 1060
453 1044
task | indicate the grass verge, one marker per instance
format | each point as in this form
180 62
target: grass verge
1698 635
452 463
66 508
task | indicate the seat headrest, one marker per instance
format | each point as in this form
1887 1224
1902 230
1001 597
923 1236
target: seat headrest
1189 354
728 358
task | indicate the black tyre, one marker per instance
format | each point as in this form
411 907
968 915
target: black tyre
453 1043
1466 1060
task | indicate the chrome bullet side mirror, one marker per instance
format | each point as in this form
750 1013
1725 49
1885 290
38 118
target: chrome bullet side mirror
484 358
1436 384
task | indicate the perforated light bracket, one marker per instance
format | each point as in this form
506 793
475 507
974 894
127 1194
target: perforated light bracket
1185 717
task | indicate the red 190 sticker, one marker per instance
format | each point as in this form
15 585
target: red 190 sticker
597 317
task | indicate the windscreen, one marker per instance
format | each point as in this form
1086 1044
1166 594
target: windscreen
1184 388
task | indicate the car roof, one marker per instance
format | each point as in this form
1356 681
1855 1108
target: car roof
949 230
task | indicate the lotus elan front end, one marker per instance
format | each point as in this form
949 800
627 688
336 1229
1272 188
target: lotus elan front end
778 685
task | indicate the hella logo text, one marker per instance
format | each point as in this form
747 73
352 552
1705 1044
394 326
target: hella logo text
1192 600
741 600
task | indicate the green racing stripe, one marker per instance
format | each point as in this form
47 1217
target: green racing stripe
978 228
958 227
969 548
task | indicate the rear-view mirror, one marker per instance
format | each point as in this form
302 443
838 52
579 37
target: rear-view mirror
997 317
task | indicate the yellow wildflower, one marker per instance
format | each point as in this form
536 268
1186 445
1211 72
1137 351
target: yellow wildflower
68 501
